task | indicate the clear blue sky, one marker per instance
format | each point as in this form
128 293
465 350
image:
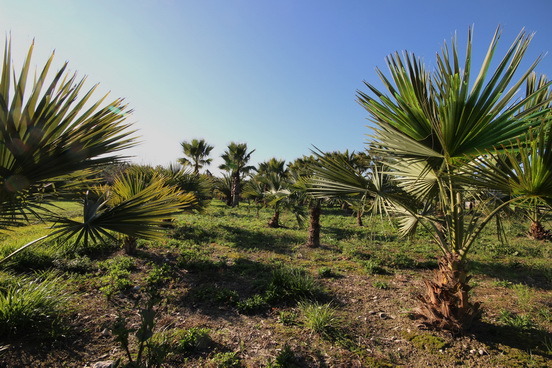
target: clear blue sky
279 75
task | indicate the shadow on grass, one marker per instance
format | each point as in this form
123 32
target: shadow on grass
275 240
514 272
348 233
504 338
261 240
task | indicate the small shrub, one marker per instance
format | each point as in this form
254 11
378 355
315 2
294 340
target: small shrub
320 318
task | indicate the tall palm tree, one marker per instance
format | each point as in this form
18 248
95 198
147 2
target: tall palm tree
440 138
236 158
197 153
51 138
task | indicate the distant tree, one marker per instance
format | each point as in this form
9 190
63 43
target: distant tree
236 158
197 153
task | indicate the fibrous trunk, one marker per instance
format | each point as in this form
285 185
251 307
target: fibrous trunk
275 220
445 305
359 218
537 232
313 240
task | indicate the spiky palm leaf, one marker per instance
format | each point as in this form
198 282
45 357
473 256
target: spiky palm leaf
50 134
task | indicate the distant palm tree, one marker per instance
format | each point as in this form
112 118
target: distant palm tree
196 152
235 159
51 140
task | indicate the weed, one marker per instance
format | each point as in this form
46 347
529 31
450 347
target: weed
252 305
524 296
159 275
227 360
287 318
320 318
151 352
515 320
373 267
503 283
285 359
293 284
381 285
117 277
192 340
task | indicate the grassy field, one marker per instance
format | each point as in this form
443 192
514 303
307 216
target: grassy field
224 290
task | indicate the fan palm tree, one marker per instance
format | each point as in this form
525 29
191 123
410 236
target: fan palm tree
197 153
235 159
436 135
135 206
51 139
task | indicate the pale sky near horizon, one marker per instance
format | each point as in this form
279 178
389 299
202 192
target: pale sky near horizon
280 76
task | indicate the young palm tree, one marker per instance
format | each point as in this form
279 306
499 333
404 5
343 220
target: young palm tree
197 153
436 135
235 159
50 138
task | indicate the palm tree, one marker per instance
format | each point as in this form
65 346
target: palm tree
235 159
136 206
51 140
196 152
441 139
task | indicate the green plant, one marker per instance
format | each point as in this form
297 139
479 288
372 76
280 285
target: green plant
515 320
150 352
159 275
117 276
293 284
252 305
32 304
227 360
284 359
380 285
65 138
320 318
524 296
373 267
428 342
192 340
287 318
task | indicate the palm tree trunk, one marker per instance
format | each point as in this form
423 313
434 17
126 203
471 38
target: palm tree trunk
446 305
275 220
235 189
313 240
537 231
359 218
129 244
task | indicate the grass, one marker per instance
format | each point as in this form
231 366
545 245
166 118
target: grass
31 304
234 292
